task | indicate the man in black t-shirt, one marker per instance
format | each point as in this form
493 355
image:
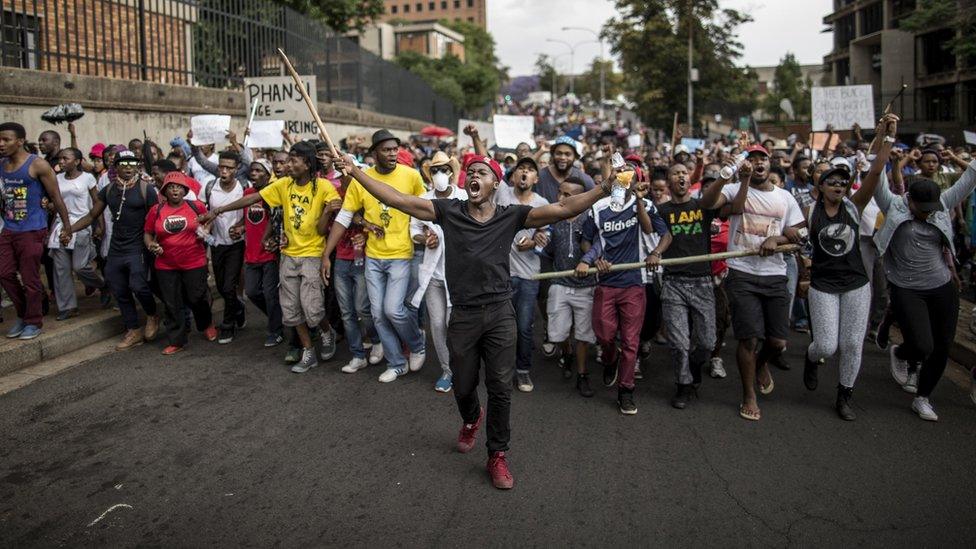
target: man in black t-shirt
686 294
477 237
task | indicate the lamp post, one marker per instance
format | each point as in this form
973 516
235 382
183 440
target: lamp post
603 76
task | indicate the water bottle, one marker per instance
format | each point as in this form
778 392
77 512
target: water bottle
806 247
618 196
538 249
728 171
358 257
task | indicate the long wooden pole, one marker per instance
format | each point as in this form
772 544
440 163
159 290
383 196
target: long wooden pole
308 102
666 262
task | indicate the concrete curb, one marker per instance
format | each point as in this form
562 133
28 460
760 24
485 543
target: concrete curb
91 328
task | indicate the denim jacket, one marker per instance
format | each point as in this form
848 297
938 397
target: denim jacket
896 212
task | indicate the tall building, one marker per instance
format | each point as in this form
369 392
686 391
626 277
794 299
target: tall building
871 48
472 11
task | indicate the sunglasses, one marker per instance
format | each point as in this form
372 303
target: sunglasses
836 182
128 163
440 169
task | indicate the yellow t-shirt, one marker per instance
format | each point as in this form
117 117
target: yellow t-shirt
396 243
302 211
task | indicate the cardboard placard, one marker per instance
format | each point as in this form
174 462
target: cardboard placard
279 99
512 130
842 107
693 144
265 134
210 129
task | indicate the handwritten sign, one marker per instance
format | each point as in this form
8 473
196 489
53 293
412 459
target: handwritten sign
486 131
265 134
633 141
970 137
693 144
210 129
512 130
279 99
842 107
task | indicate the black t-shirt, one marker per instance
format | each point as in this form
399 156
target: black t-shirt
836 265
691 231
127 227
476 254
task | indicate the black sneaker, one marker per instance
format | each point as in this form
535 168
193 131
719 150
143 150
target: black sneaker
845 403
625 401
583 385
810 372
241 321
780 362
226 335
568 364
882 338
682 396
610 373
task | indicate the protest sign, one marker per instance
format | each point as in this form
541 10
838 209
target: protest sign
693 144
279 99
485 130
970 137
265 134
210 129
818 140
633 141
842 107
512 130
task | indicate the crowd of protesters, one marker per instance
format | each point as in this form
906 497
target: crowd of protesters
388 244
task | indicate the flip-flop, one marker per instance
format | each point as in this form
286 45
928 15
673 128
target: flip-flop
766 389
746 414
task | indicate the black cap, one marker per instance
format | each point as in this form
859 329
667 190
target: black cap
527 160
383 135
125 156
841 169
925 193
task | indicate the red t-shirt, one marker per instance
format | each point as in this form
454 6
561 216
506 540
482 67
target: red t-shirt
344 249
255 223
176 231
720 243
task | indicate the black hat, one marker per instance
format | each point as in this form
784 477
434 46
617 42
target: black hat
527 160
925 194
383 135
125 156
840 169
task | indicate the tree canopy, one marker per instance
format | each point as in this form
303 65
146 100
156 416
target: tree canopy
340 15
788 83
934 14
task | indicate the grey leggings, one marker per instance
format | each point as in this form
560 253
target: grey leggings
438 314
838 324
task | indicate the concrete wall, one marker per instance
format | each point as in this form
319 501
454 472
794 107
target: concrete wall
119 110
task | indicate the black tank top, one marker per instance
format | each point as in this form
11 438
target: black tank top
837 265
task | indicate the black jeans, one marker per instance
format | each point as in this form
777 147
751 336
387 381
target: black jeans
227 264
261 287
184 289
927 319
128 276
653 315
486 334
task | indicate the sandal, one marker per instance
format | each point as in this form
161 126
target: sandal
746 414
766 389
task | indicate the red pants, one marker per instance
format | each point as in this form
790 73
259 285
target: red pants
20 253
619 309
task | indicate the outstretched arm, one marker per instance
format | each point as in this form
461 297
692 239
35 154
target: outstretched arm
238 204
887 127
421 208
566 207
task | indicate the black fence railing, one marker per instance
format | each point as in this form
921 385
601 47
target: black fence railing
212 43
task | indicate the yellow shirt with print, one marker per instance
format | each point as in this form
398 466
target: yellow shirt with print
302 211
396 243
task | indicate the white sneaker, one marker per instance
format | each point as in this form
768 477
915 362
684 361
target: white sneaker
911 385
924 409
355 365
390 374
899 368
548 349
416 361
718 368
376 353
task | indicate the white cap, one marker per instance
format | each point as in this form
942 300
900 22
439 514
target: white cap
680 149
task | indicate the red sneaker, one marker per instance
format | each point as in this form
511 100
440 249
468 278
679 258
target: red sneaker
210 333
501 478
172 349
468 433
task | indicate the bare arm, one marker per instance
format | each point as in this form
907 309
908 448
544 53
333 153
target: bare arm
238 204
45 174
421 208
642 216
565 208
889 127
479 146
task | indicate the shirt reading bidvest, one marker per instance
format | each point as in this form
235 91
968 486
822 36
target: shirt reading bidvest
302 206
175 228
255 224
691 233
476 254
619 233
396 243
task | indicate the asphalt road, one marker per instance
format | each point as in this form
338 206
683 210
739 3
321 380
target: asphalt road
222 446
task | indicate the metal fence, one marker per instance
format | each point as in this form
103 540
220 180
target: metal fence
213 43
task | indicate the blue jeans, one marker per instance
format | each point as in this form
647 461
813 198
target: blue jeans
798 309
350 290
386 283
524 293
418 258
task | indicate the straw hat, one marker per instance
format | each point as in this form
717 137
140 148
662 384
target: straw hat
440 159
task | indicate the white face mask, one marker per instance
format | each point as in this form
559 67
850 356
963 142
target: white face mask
441 181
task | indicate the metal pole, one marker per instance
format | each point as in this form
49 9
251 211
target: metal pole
572 73
691 100
142 40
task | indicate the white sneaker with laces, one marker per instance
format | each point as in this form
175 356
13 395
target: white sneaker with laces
355 365
718 368
376 353
899 367
911 385
390 374
417 360
924 409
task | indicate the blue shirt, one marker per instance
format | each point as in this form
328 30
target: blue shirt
22 194
618 236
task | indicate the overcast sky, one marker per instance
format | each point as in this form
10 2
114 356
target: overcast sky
520 28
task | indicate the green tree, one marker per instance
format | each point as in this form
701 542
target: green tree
650 38
341 15
547 74
788 83
588 83
935 14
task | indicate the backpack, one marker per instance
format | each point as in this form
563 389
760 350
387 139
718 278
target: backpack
210 186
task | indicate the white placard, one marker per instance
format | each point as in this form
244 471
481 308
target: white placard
512 130
842 106
280 100
634 141
485 130
210 129
970 137
265 134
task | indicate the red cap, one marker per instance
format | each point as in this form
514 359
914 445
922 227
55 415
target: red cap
475 159
405 157
97 150
756 148
175 177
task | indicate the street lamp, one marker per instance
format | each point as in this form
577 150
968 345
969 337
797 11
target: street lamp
603 76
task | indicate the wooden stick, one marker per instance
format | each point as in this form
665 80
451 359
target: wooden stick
308 102
674 134
667 262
